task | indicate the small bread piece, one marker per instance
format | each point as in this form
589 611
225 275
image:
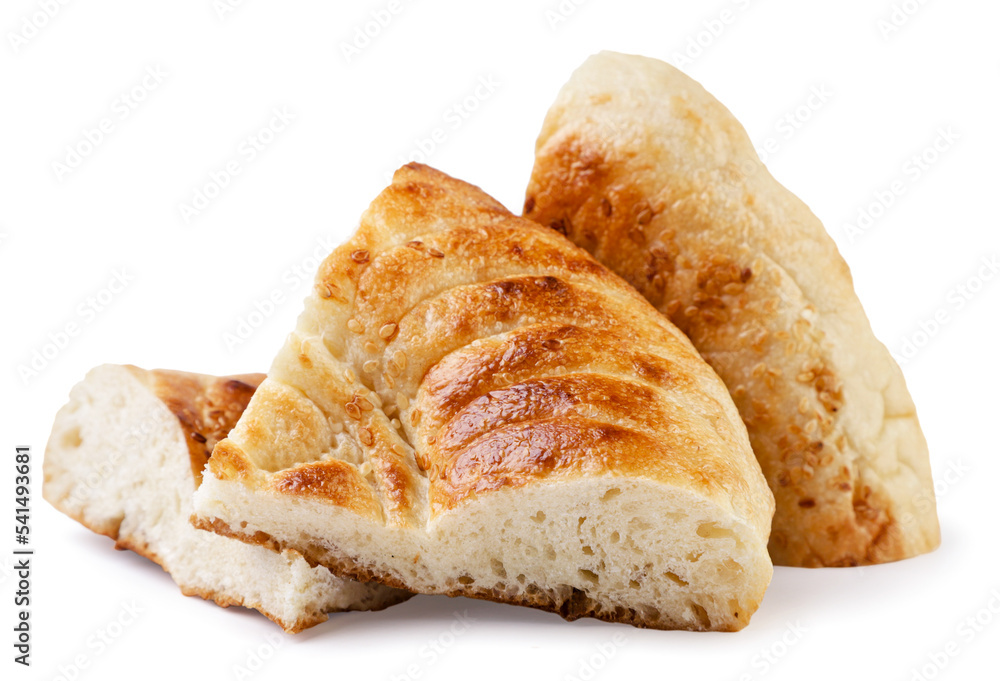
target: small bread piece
124 458
471 405
641 166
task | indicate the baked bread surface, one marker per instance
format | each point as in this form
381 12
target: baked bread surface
641 166
125 456
471 405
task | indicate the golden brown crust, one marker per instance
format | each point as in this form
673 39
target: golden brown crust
139 546
335 481
504 293
646 170
451 350
207 407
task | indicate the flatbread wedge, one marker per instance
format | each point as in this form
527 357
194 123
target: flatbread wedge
124 458
471 405
641 166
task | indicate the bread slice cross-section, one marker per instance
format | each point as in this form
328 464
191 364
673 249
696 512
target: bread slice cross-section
641 166
124 458
472 405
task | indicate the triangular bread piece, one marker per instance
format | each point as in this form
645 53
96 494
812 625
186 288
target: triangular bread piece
641 166
124 458
471 405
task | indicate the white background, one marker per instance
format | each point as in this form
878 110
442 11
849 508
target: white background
65 234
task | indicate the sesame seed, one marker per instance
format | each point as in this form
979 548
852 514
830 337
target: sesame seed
389 380
690 311
416 245
399 449
644 216
431 440
350 375
399 357
551 344
435 253
805 377
325 290
415 417
393 368
353 410
606 207
360 256
355 326
337 428
365 468
390 410
395 423
365 404
370 347
387 330
375 399
402 400
366 437
370 366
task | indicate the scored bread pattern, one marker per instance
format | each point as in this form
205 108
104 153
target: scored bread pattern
454 358
439 361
